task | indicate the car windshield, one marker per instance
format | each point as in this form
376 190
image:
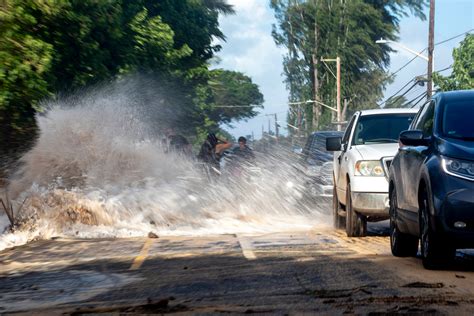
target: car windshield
457 120
382 128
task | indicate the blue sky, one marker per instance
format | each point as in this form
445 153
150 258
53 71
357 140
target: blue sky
250 49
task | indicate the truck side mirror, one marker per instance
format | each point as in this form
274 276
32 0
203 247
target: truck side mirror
333 143
413 138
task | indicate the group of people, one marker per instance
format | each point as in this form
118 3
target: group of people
211 151
213 148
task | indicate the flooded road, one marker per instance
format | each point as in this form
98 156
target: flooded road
316 270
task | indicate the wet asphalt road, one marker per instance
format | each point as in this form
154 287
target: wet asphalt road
316 271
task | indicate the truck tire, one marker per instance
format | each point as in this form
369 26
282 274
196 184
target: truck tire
356 224
436 253
402 245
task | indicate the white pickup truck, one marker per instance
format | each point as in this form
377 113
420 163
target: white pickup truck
361 161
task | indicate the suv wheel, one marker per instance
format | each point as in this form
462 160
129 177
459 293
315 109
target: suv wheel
356 224
435 253
338 221
402 245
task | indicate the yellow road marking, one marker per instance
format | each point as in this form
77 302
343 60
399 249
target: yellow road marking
138 261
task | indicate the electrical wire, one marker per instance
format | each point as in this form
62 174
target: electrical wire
436 44
422 95
384 101
404 66
421 99
396 98
415 91
393 95
262 115
441 70
454 37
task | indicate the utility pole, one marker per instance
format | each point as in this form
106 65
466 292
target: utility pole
338 93
314 57
429 88
338 90
299 125
276 126
276 123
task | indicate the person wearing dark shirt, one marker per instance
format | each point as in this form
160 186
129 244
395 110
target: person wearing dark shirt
243 151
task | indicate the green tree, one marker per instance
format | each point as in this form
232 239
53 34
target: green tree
235 96
462 76
396 102
25 62
315 29
54 46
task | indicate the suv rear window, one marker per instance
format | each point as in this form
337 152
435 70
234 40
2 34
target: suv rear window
457 120
381 128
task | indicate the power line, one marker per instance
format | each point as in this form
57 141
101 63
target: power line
421 99
262 115
441 70
439 43
422 95
444 69
235 106
384 101
402 95
454 37
404 66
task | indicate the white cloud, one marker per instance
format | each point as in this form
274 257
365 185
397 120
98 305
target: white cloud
250 49
249 8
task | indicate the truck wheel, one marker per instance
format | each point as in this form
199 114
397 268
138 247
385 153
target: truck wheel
435 252
402 245
338 221
356 224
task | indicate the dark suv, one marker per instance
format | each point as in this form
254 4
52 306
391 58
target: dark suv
318 166
432 181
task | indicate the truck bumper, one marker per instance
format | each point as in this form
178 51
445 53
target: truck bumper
371 204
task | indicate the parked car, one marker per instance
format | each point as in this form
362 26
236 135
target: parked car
432 181
361 161
317 167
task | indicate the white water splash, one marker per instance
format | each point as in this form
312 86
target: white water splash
96 171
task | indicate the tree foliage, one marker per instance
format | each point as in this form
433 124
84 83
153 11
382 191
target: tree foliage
395 102
25 61
462 76
235 96
316 29
55 46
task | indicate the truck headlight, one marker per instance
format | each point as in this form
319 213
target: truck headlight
369 168
458 168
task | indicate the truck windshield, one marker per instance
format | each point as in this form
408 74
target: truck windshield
381 128
457 120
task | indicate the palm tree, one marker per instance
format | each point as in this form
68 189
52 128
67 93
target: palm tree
220 6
